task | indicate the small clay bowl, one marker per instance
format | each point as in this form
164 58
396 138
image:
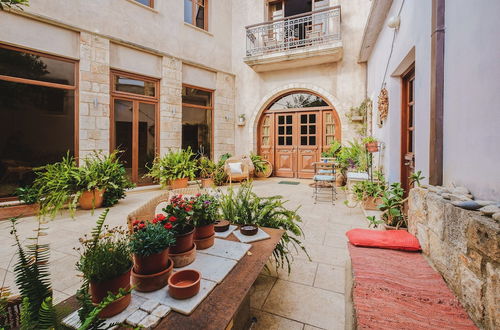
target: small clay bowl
184 284
249 230
221 225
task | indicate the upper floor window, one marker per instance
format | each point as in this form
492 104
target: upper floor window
149 3
196 13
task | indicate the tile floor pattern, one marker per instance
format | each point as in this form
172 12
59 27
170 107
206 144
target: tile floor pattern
311 297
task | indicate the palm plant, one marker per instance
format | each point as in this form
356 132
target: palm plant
259 164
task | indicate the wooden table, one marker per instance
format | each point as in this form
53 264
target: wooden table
221 305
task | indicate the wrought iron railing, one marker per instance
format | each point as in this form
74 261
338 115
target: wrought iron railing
304 30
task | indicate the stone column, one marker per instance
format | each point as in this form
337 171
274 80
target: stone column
224 114
94 96
170 104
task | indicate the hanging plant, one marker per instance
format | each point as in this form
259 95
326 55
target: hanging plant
383 106
358 115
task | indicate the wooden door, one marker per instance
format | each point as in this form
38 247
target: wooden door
309 142
266 136
285 157
408 129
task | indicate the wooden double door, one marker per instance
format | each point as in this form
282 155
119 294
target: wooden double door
293 141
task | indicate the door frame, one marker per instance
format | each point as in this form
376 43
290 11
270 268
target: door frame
406 77
135 99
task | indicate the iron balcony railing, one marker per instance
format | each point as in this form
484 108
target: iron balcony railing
303 30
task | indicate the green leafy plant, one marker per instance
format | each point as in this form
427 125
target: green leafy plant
27 195
373 222
151 239
245 207
416 177
13 4
368 188
353 157
205 210
174 165
207 167
359 115
333 150
392 206
220 175
259 163
369 139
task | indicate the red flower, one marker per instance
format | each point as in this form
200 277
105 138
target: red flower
160 217
142 225
198 195
168 225
135 223
155 220
172 219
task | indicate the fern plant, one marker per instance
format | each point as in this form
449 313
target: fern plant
173 165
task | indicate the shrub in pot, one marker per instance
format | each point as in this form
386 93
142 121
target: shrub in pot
207 169
205 214
175 168
106 264
370 193
178 220
371 144
150 244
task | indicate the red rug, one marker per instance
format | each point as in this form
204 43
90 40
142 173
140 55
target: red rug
399 290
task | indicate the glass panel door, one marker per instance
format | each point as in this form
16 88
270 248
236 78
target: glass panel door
123 131
146 144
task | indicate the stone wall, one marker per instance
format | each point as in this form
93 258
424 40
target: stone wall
93 94
224 115
464 246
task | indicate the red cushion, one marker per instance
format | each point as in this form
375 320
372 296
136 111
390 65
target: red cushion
385 239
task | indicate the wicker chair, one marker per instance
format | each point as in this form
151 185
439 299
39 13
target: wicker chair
13 316
245 169
147 211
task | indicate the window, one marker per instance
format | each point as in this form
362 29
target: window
197 120
37 114
196 13
149 3
298 100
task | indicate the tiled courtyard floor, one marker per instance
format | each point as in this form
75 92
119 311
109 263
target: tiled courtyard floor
311 297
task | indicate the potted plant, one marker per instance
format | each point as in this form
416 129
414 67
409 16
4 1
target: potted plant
392 207
370 193
205 209
371 144
175 168
241 119
149 245
207 168
262 168
106 263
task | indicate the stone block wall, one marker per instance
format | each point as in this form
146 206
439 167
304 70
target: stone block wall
94 94
224 120
464 246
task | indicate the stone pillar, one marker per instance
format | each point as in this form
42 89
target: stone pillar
170 104
94 96
224 114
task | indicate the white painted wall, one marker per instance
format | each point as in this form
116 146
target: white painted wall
471 91
414 32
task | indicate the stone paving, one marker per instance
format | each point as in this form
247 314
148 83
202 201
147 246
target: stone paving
311 297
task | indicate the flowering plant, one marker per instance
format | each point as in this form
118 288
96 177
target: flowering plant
205 210
150 238
178 215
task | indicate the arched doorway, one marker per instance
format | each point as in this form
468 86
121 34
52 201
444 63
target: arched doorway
293 131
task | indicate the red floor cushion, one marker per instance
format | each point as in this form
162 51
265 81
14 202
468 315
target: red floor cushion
385 239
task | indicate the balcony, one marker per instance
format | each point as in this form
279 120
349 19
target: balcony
301 40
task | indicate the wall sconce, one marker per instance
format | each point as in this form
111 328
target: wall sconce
241 120
394 22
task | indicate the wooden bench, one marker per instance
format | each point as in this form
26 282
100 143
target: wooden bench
400 290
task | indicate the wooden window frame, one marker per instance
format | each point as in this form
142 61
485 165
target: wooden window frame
134 98
211 107
194 3
408 76
150 5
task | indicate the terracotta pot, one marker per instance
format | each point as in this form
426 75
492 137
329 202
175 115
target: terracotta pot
151 264
99 291
372 146
183 243
221 226
179 183
152 282
371 203
340 180
184 284
207 183
91 199
249 230
185 258
205 243
204 231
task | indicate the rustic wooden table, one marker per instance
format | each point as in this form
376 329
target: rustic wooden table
220 307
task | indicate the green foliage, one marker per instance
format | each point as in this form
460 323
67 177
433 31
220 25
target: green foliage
360 112
416 177
392 206
152 239
27 195
220 175
373 222
47 315
13 4
367 188
104 256
205 210
369 139
333 150
55 185
207 167
174 165
245 207
259 164
179 212
353 157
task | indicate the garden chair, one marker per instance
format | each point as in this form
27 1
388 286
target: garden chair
12 316
324 178
237 169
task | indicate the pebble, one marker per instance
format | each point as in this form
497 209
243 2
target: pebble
485 203
136 317
459 198
496 216
149 322
468 205
446 195
489 210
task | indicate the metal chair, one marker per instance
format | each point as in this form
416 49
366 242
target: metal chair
324 178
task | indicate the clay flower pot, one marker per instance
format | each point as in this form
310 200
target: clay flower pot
184 284
204 231
207 183
205 243
151 264
371 203
221 225
99 291
152 282
179 183
372 146
249 230
185 258
91 199
340 180
183 242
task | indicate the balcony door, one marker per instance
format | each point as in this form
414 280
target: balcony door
134 117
